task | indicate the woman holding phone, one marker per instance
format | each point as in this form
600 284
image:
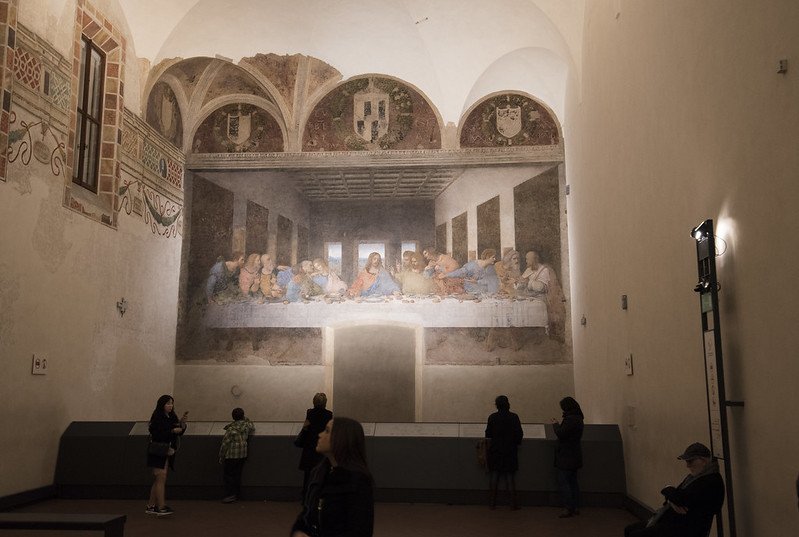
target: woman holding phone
165 430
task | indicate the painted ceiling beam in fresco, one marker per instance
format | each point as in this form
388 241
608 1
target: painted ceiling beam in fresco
483 156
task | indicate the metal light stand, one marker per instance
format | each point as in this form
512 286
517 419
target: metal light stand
714 364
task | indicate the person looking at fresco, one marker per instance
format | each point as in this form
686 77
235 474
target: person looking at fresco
373 280
504 433
315 420
439 263
479 276
569 454
340 496
223 275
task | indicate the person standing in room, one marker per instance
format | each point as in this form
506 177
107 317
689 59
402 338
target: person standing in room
340 496
315 420
479 276
165 427
542 284
504 433
569 454
689 508
233 453
373 280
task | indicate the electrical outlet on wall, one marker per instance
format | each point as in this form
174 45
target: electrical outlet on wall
38 365
628 365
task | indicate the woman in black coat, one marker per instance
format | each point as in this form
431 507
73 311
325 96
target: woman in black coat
340 497
165 428
315 420
504 434
569 454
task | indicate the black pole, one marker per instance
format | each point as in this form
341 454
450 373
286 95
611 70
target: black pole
717 403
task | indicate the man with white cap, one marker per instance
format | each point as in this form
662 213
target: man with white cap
689 508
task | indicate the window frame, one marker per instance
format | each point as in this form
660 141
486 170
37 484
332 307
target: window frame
84 116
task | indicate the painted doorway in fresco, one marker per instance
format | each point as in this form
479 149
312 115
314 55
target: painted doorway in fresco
374 372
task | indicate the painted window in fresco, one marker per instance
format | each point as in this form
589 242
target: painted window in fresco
333 256
366 248
89 117
410 246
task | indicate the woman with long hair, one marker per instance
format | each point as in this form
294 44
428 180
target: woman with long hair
569 454
340 496
165 428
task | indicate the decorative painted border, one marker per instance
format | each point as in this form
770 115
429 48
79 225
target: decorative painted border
8 37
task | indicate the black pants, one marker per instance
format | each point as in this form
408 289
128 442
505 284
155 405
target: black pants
639 529
232 476
569 489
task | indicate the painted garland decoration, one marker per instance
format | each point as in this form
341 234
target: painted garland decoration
162 215
38 148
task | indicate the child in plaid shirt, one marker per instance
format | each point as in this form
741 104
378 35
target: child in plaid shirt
233 453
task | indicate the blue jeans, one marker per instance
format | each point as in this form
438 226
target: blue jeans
569 489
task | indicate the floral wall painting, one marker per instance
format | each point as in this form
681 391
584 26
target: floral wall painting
509 119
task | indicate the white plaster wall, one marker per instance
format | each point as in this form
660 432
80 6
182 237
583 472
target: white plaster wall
476 186
684 117
266 393
61 276
467 393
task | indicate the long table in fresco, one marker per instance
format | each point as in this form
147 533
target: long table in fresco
428 312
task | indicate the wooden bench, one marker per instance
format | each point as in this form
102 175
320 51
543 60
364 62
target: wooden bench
112 525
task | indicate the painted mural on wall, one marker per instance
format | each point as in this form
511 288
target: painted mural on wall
162 215
35 138
238 128
243 306
163 114
372 113
509 119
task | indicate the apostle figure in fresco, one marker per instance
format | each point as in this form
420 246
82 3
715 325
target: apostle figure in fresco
224 276
439 263
412 278
479 276
542 284
373 280
325 278
302 285
250 276
509 273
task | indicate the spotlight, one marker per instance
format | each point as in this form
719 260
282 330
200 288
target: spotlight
700 232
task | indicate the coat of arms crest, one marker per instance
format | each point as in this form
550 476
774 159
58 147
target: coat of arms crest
239 126
370 118
509 121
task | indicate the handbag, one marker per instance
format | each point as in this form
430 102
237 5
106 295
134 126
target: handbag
159 449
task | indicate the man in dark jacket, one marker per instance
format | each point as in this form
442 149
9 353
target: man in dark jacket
689 508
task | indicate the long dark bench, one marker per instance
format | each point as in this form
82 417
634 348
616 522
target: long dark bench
111 525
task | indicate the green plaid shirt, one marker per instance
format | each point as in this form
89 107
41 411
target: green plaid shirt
234 443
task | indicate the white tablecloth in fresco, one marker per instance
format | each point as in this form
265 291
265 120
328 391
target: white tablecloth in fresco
448 313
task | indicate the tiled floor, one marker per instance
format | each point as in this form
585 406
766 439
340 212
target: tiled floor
205 518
